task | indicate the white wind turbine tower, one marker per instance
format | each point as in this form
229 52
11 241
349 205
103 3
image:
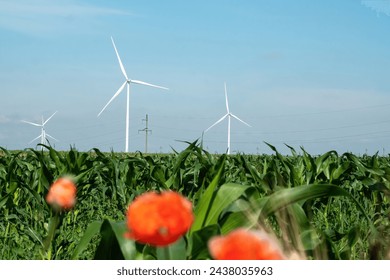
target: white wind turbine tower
228 115
44 140
127 82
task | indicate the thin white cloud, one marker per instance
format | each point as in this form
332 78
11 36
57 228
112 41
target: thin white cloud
3 119
37 16
379 6
306 101
56 8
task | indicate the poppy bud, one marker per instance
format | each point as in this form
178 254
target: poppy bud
242 244
62 194
159 219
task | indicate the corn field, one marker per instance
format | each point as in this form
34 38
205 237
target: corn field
329 206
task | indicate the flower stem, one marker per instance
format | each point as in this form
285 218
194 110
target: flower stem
163 253
167 253
47 244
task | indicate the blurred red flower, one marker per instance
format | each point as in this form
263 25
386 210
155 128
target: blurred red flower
62 194
242 244
159 219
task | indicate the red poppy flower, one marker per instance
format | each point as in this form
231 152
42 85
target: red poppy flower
62 194
159 219
242 244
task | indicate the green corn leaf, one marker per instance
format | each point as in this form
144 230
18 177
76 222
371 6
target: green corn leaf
92 229
126 245
109 248
284 197
199 240
235 220
226 195
204 205
340 170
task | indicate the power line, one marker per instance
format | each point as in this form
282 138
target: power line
323 129
328 112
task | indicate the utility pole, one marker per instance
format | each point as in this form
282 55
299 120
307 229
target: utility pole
147 130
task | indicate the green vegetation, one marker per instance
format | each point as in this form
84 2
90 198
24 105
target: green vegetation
320 207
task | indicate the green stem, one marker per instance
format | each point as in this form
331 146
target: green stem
163 253
47 244
167 253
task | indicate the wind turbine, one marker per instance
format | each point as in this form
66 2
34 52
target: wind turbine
228 115
127 82
44 140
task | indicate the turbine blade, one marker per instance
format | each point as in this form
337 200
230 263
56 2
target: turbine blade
237 118
227 102
35 139
119 59
146 84
52 137
49 118
113 97
31 123
217 122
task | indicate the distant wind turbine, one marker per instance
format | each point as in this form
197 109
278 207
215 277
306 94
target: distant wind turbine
127 82
228 115
44 140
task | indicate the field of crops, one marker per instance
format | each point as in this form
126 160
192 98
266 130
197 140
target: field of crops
330 206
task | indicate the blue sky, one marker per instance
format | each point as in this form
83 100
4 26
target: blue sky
305 73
